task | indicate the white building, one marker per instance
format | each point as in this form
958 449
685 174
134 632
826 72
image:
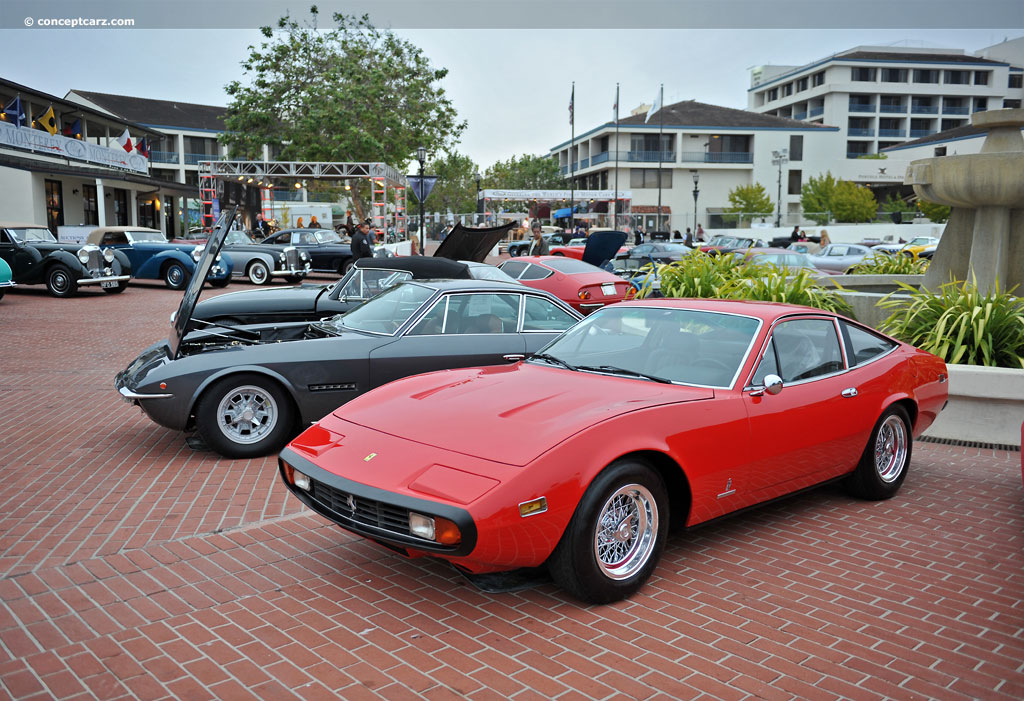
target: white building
79 177
880 97
724 148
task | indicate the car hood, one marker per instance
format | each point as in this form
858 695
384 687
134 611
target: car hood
270 301
602 246
188 301
463 243
506 414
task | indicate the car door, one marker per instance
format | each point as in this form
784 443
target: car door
8 251
804 434
461 329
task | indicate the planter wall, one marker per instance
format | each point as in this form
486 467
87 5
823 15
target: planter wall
985 405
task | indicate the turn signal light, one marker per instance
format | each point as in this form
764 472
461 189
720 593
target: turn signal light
536 506
296 478
584 294
440 530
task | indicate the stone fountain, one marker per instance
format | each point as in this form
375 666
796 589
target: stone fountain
984 236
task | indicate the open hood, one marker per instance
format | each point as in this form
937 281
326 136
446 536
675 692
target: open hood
463 243
195 285
602 247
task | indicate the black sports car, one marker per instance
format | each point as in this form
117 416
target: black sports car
327 251
248 389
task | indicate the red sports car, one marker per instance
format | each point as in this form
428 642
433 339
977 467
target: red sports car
581 285
642 413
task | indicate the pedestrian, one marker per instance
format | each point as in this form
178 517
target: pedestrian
538 246
313 223
300 224
361 247
699 236
262 226
802 236
689 238
795 236
676 234
825 240
638 237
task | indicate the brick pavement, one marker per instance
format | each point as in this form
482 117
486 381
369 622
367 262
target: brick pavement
134 567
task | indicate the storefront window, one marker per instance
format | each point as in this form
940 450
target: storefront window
89 205
54 205
147 214
120 207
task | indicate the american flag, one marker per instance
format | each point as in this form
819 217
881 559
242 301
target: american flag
572 99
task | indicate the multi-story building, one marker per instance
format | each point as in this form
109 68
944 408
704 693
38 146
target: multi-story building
703 148
880 97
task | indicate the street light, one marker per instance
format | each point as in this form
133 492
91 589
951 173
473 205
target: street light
696 193
778 159
476 176
421 155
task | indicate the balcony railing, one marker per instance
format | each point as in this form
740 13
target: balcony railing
192 159
860 107
163 156
860 132
924 109
599 158
815 111
718 157
799 115
892 132
948 109
584 162
855 154
917 133
650 156
897 109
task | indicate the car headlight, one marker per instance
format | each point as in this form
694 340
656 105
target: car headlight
108 255
435 528
83 255
197 253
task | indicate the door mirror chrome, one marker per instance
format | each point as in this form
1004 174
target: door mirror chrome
772 385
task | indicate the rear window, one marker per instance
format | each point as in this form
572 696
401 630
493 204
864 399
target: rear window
571 266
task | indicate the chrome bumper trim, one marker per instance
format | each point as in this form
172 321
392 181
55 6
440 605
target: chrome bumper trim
128 394
297 271
95 280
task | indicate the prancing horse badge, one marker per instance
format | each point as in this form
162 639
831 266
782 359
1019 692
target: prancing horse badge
369 457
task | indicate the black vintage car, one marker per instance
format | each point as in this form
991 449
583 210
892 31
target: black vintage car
36 257
261 263
327 251
248 389
457 258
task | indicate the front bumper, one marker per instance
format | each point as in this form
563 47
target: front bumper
105 278
298 271
134 397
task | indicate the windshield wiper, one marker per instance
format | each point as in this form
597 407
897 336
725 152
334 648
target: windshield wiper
623 371
552 359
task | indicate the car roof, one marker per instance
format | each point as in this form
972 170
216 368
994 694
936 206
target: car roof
21 225
473 285
96 234
767 311
419 266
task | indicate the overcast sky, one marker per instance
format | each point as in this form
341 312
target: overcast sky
512 86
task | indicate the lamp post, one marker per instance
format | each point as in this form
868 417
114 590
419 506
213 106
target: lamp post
778 159
476 217
421 156
696 194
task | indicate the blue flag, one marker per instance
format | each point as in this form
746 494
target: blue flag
422 186
15 114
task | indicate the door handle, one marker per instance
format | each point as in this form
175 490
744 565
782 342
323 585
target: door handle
513 357
850 392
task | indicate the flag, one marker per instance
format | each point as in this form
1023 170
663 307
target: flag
126 141
572 100
615 107
654 108
73 130
14 113
49 121
142 147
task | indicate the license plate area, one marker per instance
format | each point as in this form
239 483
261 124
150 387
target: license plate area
107 284
608 288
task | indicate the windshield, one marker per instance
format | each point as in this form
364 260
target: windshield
489 272
25 235
680 345
238 237
722 241
365 283
324 236
386 312
146 236
571 266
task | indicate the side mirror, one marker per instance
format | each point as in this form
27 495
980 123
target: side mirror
772 385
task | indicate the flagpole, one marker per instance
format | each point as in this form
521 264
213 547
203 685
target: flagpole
572 163
615 222
661 152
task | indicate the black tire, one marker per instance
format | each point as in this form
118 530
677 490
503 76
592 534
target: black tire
175 276
121 287
219 282
346 266
558 253
294 279
258 273
883 466
60 282
591 573
240 436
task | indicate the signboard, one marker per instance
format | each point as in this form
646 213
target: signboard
38 141
556 194
422 185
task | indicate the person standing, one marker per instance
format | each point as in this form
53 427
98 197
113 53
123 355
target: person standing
795 235
361 247
699 236
300 224
688 239
313 223
538 246
638 237
825 240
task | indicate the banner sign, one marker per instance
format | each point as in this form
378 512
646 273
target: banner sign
422 185
39 141
556 194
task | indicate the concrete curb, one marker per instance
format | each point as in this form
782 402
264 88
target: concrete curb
985 405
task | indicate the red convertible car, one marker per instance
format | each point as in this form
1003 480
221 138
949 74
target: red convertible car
643 413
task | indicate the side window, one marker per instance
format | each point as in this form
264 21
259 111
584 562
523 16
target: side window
862 345
513 268
307 238
4 236
806 348
768 366
433 322
542 315
838 250
483 313
534 272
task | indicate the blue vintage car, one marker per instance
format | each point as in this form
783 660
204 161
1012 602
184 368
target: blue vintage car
5 277
154 258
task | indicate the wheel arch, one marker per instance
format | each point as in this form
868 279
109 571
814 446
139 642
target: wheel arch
277 378
908 404
67 259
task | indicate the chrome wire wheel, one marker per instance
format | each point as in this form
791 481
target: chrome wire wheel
891 449
626 532
247 414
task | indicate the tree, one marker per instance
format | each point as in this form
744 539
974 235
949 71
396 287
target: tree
456 187
938 213
853 203
525 172
750 199
351 93
816 197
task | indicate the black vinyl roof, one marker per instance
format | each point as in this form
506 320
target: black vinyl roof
421 267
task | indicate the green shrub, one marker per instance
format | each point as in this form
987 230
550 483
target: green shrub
778 285
960 324
702 275
899 264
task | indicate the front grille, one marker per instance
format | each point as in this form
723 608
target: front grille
361 510
291 258
95 264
